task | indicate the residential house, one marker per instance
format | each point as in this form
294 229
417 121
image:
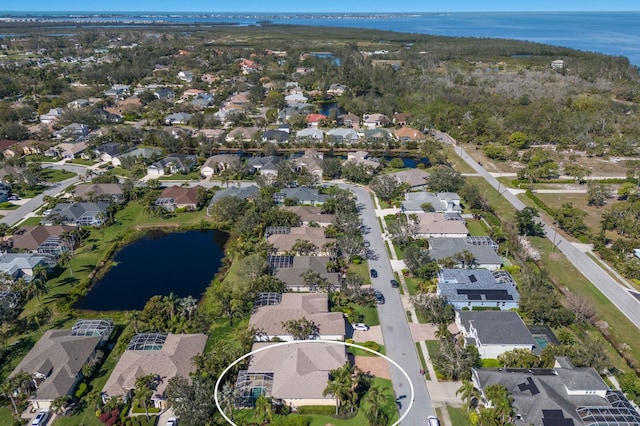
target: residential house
179 198
164 93
438 225
302 195
177 118
400 119
298 382
311 215
136 155
78 214
22 265
275 136
315 120
349 120
266 166
216 164
73 131
51 116
9 174
295 98
336 89
342 136
78 104
373 121
564 395
210 135
272 309
376 135
173 163
29 147
192 93
470 288
202 102
243 192
291 111
312 134
405 134
242 134
185 76
103 192
557 64
67 150
483 250
290 270
494 332
108 151
362 158
441 202
414 178
312 161
55 363
43 239
159 354
283 243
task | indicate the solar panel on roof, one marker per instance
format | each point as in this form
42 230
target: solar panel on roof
473 278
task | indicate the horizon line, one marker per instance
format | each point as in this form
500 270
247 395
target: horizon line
313 12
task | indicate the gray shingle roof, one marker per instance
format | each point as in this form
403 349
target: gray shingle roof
456 283
240 192
497 327
441 248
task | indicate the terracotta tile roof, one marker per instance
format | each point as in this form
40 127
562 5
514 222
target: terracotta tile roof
181 196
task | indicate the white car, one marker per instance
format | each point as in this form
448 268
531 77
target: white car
360 326
172 422
433 421
40 418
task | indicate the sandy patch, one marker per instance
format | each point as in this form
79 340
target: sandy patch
374 365
422 332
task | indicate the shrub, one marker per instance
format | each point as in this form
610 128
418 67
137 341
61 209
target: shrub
512 270
324 410
371 345
293 421
82 389
349 341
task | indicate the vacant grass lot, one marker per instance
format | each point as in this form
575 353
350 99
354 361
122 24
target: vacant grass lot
594 214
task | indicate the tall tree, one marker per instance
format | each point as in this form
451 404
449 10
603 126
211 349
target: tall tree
144 388
301 329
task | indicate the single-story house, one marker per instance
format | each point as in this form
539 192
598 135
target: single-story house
185 76
494 332
376 134
483 250
268 317
177 118
336 89
56 362
312 161
51 116
469 288
137 155
298 382
311 215
441 202
415 178
310 134
289 270
314 120
342 136
284 243
265 165
372 121
160 354
22 265
173 163
73 131
43 239
303 195
217 164
242 134
404 134
436 225
349 120
362 158
245 192
564 395
67 150
275 136
78 214
178 198
108 151
104 192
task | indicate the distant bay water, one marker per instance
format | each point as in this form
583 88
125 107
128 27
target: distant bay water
612 33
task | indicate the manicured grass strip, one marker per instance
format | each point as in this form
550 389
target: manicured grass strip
56 175
459 416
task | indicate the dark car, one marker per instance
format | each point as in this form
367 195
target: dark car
395 284
374 273
379 299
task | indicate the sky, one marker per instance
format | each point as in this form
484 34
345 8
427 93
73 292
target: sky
359 6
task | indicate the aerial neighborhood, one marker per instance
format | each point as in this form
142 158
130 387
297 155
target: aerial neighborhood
201 226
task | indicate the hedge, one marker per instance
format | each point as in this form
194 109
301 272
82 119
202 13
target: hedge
293 420
323 410
538 202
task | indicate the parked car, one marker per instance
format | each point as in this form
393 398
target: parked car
40 418
367 244
46 212
172 422
360 326
374 273
379 298
433 421
395 284
13 198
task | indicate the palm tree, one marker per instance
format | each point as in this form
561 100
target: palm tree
40 271
65 257
227 395
374 413
35 287
144 391
8 389
442 332
171 303
263 410
188 306
58 404
469 394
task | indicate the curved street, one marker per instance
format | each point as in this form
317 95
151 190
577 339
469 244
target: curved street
618 294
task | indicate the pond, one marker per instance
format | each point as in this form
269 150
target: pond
159 263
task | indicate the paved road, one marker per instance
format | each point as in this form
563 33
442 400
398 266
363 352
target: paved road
619 295
398 341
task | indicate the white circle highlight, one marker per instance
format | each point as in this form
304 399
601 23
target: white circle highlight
294 342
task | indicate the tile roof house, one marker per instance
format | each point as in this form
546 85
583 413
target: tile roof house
290 271
22 265
173 163
436 225
561 396
217 164
441 202
78 214
292 306
314 120
302 378
163 355
494 332
67 150
349 120
312 161
283 243
469 288
311 215
56 362
242 134
404 134
415 178
372 121
483 250
179 198
42 239
104 192
303 195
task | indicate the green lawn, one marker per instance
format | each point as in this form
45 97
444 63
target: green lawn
412 284
458 416
40 158
361 269
362 352
8 205
56 175
476 228
31 221
370 314
423 362
195 175
497 202
82 162
6 418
